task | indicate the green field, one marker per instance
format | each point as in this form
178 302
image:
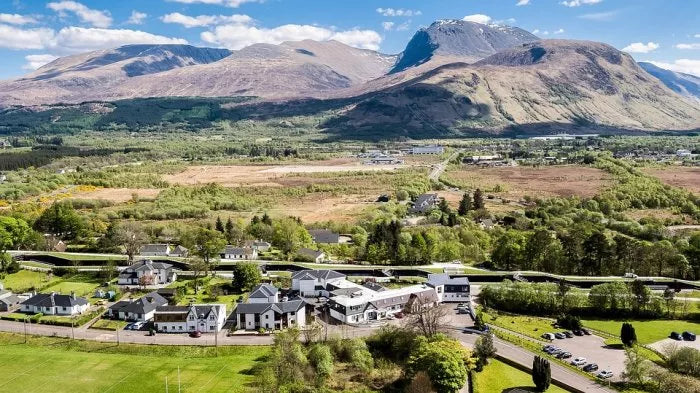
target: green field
109 324
56 365
499 377
24 280
84 289
647 331
523 324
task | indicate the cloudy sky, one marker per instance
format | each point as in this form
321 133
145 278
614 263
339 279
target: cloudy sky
34 32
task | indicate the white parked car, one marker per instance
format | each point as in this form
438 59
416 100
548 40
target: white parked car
605 374
630 275
138 325
579 361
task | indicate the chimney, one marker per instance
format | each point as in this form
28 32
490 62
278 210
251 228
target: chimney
72 294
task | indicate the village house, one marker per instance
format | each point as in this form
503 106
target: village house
8 300
258 245
324 236
367 305
450 289
265 310
141 310
163 250
313 283
55 304
239 253
205 318
154 273
307 254
424 203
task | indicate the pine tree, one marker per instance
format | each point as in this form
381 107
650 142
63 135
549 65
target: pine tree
541 374
255 220
219 224
444 207
478 199
229 228
628 336
465 204
266 219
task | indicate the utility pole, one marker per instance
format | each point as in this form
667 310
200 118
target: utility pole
72 326
178 379
118 336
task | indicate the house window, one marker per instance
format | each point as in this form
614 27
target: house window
179 327
267 316
211 327
191 317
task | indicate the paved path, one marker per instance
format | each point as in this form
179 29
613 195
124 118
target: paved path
439 168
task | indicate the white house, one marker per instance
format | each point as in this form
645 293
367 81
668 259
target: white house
258 245
240 253
55 304
141 309
312 283
265 310
163 250
158 273
450 289
310 255
205 318
368 305
8 300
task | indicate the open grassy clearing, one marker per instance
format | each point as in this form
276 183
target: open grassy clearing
24 280
517 182
80 288
526 325
118 195
498 377
67 366
647 331
681 176
205 293
109 324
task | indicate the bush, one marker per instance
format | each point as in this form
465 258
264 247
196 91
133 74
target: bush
570 322
684 360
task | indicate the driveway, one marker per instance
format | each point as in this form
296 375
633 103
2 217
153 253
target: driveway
661 345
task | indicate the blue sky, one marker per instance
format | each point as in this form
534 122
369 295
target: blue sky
33 32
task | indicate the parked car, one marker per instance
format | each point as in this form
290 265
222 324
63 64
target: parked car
586 332
462 310
568 334
630 275
590 367
138 325
605 374
547 347
676 336
688 336
196 334
564 355
578 332
129 326
579 361
560 336
556 351
548 336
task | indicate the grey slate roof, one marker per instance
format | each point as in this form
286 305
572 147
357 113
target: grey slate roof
263 291
317 274
54 300
144 305
445 279
280 307
10 299
307 252
237 250
324 236
151 248
148 265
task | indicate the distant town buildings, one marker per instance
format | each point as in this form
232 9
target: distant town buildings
427 150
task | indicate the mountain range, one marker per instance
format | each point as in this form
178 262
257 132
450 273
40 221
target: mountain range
454 77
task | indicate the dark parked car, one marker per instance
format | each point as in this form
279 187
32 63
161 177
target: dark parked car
688 336
586 332
564 355
196 334
676 336
568 334
559 335
578 332
590 367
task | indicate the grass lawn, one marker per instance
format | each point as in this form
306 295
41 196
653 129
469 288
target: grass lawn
109 324
647 331
24 280
204 295
84 289
82 366
499 377
85 257
527 325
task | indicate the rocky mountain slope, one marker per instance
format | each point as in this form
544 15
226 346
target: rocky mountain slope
458 39
292 69
684 84
545 86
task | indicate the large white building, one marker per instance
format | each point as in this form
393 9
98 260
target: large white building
312 283
55 304
450 289
365 304
205 318
157 273
265 310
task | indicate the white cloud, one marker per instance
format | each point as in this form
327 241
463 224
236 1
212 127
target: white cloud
536 31
240 36
205 20
688 46
17 38
36 61
578 3
560 31
404 26
686 66
136 18
85 14
600 16
16 19
70 40
522 3
640 47
226 3
478 18
398 12
388 26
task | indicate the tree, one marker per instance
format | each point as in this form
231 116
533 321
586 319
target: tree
636 366
289 235
509 251
541 374
683 360
465 204
198 268
321 359
108 270
478 202
246 275
484 348
669 295
62 220
146 280
641 295
443 359
219 226
426 318
208 245
132 237
627 334
287 357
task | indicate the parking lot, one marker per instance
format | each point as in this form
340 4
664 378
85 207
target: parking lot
661 345
593 348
